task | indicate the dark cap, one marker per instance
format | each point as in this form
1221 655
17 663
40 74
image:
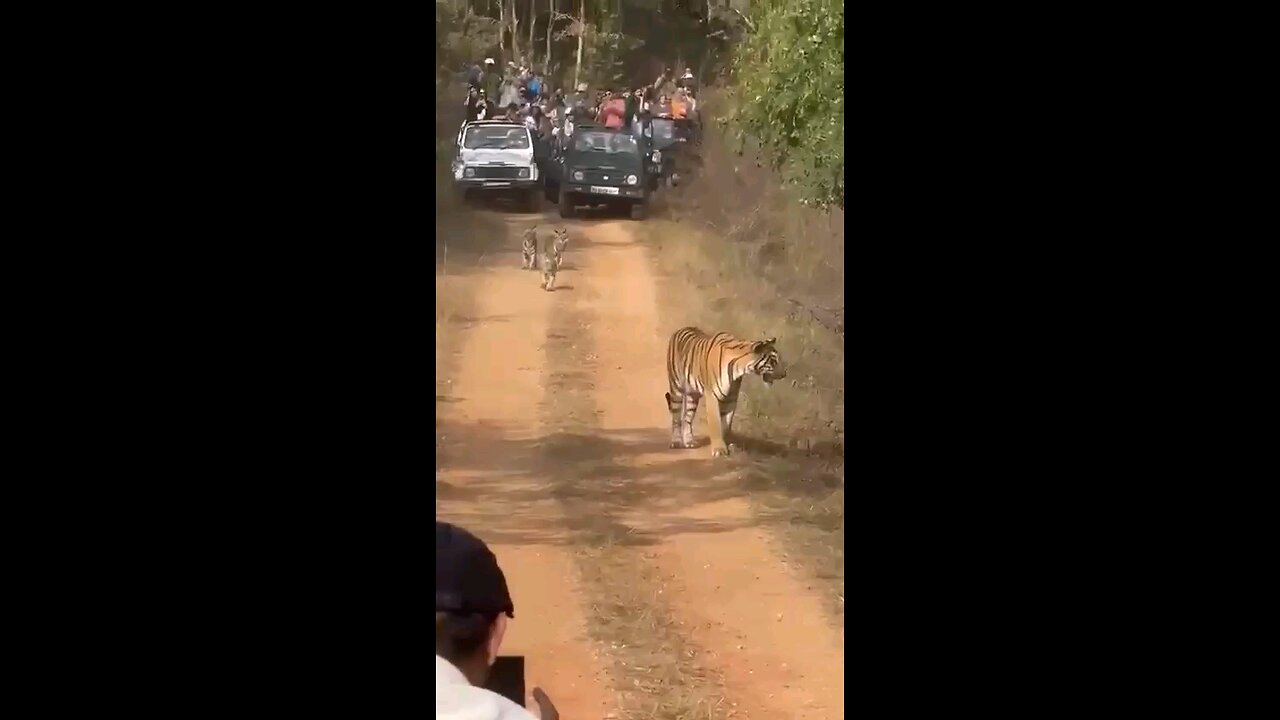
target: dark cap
468 579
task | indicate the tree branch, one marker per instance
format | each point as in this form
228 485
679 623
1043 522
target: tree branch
745 19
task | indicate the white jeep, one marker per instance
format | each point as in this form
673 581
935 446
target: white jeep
496 157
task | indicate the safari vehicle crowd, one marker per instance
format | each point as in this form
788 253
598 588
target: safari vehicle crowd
611 148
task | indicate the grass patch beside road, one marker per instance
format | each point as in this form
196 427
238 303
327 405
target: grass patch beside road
736 254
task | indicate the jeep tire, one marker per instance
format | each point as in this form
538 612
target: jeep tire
566 203
532 200
638 211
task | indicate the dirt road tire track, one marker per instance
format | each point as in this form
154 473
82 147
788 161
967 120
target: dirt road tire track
489 434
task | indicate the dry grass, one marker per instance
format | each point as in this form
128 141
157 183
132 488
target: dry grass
734 250
658 673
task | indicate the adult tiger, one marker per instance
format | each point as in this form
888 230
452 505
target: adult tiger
714 365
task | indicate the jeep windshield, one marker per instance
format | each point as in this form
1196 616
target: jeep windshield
496 137
664 132
604 142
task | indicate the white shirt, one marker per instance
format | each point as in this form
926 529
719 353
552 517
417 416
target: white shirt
457 699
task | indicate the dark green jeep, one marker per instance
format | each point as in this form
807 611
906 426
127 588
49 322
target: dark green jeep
595 166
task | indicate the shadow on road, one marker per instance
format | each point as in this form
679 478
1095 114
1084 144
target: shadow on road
501 483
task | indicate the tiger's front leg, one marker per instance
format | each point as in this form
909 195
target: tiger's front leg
726 421
715 418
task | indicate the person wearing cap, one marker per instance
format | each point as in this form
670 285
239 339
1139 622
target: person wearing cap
472 609
686 80
580 97
492 81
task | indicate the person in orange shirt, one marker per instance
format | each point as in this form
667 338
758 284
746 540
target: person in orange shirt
680 106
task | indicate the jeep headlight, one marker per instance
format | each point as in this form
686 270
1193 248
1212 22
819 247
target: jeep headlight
469 172
657 156
524 173
577 175
632 179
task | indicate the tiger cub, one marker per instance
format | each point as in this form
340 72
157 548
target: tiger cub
529 248
561 242
551 256
700 366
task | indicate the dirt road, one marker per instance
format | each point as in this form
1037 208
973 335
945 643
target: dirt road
641 578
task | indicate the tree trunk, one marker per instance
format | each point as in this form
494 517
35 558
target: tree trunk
502 27
551 21
582 30
515 34
533 21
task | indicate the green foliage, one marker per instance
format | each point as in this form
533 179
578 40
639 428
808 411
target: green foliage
789 93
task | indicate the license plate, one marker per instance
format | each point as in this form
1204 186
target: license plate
497 184
604 190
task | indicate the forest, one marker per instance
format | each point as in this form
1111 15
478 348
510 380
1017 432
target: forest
776 66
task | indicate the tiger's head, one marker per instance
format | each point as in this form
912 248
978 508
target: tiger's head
768 363
562 238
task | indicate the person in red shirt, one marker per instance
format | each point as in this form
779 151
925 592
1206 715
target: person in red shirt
613 112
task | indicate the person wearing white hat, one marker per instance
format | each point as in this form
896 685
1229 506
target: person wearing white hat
492 81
